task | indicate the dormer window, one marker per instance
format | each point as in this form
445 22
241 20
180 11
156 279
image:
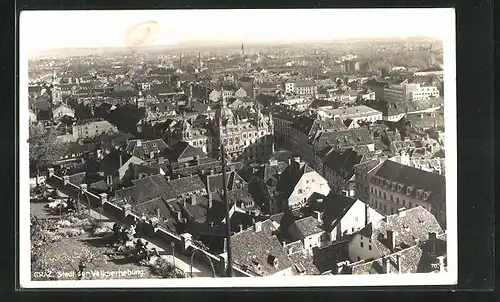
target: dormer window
400 187
426 195
409 190
419 193
393 186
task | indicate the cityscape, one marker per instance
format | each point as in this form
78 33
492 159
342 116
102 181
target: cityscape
238 159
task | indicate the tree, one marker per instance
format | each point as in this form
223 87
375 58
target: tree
44 148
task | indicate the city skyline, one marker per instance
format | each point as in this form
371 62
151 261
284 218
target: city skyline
175 27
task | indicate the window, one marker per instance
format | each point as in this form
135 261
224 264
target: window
385 208
404 202
397 200
362 244
409 205
369 247
359 259
391 198
385 196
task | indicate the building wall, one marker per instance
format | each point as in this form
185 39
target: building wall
423 93
308 184
388 202
122 171
281 129
361 248
91 129
283 273
354 220
62 111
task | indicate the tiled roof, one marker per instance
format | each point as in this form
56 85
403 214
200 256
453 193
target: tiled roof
368 165
415 259
234 182
344 138
156 186
343 162
410 228
182 150
304 263
412 179
268 170
255 252
308 226
158 146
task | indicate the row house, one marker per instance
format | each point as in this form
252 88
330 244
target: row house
394 186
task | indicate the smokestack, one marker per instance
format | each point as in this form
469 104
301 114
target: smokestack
258 226
398 263
367 214
391 239
318 216
387 265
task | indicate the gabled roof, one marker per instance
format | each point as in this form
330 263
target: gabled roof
291 176
182 150
234 182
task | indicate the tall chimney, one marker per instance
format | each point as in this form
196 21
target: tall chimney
258 226
367 214
387 265
139 143
121 159
240 226
192 199
318 216
391 239
398 263
209 200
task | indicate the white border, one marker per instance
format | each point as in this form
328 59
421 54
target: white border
448 278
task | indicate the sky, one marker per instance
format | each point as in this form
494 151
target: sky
43 30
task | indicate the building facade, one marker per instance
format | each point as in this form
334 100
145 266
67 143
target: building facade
90 128
249 139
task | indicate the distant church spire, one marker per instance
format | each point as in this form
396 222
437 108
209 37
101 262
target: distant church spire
242 50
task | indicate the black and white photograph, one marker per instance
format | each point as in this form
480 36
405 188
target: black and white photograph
201 148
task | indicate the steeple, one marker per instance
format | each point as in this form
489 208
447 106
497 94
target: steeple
242 50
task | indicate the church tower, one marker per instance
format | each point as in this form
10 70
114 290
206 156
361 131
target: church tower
56 90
